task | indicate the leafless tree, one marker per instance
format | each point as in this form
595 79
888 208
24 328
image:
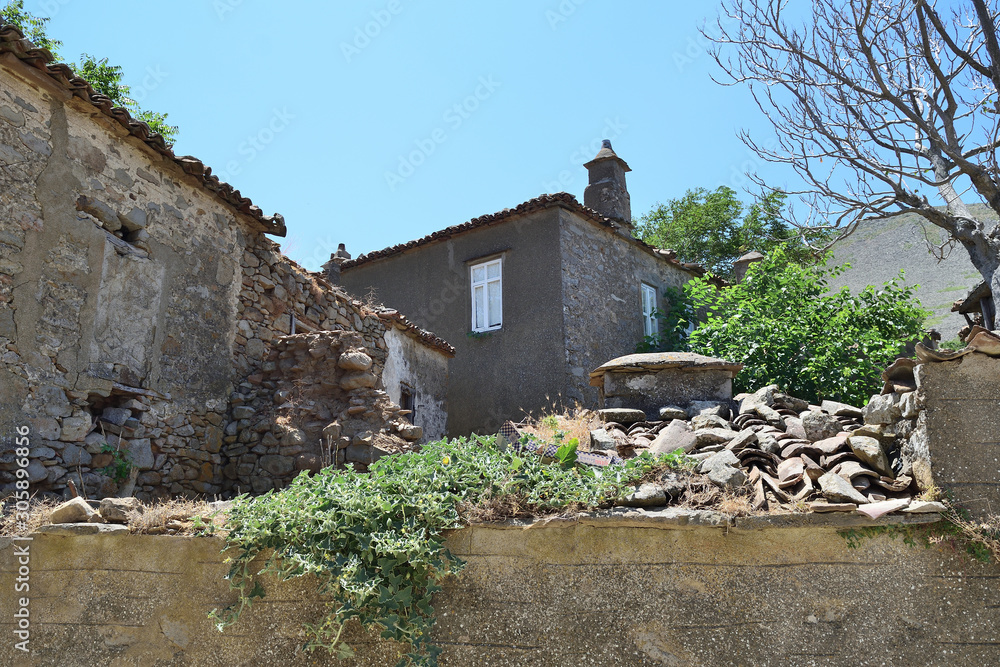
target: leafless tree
881 106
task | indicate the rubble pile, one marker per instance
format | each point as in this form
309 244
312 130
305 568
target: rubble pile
318 404
785 453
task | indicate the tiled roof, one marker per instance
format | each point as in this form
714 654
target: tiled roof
12 41
426 337
561 199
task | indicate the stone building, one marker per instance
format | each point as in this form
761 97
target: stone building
533 297
144 314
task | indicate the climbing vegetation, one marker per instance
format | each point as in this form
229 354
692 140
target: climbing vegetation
375 541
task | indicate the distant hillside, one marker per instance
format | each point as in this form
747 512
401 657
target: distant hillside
879 249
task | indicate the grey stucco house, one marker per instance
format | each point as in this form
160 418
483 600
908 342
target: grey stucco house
533 297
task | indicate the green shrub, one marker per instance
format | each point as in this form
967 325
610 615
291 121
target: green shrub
786 328
374 540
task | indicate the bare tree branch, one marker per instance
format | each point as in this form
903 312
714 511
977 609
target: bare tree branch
882 107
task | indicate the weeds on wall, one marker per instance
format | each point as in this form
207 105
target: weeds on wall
957 530
375 540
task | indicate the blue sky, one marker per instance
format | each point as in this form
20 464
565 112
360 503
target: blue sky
373 123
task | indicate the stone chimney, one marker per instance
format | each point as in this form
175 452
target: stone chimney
741 265
332 267
607 193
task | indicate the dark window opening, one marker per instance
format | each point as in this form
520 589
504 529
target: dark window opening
406 401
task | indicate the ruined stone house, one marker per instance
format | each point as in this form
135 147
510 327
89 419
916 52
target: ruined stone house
144 313
533 297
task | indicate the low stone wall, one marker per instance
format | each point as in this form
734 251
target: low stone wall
668 588
959 432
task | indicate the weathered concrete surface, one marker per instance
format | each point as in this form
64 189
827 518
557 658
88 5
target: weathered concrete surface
962 422
422 370
637 588
651 381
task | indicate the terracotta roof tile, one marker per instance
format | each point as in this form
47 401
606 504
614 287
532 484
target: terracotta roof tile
561 199
426 337
12 41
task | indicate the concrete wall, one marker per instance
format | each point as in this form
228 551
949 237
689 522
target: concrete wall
602 313
425 372
674 588
170 317
959 430
493 377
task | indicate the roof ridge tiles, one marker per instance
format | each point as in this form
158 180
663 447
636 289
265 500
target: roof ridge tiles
563 199
12 41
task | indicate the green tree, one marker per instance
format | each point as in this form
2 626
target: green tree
32 26
786 328
104 77
713 228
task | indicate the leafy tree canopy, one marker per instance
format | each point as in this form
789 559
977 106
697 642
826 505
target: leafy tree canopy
786 328
103 76
714 228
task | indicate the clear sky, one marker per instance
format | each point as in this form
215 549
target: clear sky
373 123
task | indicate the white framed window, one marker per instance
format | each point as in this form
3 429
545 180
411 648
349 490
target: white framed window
487 295
650 327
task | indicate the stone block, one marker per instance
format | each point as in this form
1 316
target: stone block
277 465
75 429
140 453
76 510
116 510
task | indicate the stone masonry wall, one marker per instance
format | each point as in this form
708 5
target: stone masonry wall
675 587
602 307
137 310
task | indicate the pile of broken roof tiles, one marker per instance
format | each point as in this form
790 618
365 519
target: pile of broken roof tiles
785 453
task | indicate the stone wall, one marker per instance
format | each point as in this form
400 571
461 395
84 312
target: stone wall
957 435
137 308
668 588
602 306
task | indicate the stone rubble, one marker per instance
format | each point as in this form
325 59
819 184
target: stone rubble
784 453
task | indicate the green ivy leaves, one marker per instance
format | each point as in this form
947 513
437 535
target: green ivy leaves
375 540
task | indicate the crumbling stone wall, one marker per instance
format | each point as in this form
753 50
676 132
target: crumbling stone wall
597 269
137 309
316 404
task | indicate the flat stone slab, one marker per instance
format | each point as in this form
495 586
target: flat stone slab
658 361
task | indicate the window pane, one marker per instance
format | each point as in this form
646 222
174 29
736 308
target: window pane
477 274
493 270
478 317
495 307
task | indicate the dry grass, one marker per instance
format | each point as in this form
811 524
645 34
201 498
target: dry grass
576 423
38 513
510 506
980 537
175 516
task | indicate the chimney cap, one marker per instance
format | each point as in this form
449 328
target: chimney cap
607 153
